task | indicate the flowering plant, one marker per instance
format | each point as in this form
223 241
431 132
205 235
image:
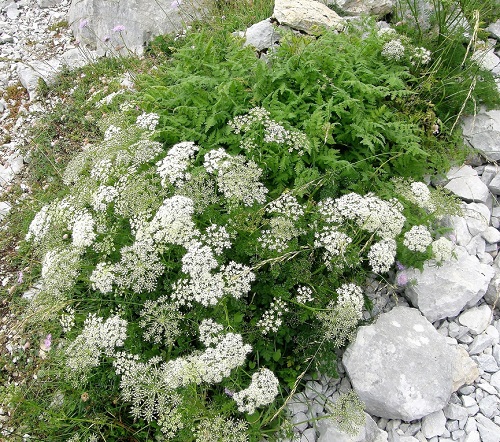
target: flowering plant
228 286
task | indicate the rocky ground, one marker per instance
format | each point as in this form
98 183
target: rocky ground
443 363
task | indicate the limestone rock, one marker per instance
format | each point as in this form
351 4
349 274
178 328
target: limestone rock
4 209
476 319
370 7
434 424
482 131
492 295
262 35
465 370
306 15
489 431
477 217
494 29
329 431
441 292
491 235
466 184
409 372
123 26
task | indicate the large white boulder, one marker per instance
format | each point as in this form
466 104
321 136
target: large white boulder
306 15
441 292
120 26
401 367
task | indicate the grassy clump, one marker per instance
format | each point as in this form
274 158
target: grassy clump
209 244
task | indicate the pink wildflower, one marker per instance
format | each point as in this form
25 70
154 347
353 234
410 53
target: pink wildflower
119 28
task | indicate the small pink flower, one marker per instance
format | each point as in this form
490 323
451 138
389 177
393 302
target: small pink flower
48 342
228 392
402 279
175 4
83 24
119 28
400 266
20 277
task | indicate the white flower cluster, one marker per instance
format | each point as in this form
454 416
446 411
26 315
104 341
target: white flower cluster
382 255
417 239
102 170
103 196
277 238
173 167
219 428
237 178
142 384
67 319
210 332
274 132
98 337
243 123
369 212
217 238
40 225
141 152
333 241
393 50
262 391
442 249
273 317
160 321
111 131
147 121
206 288
103 277
60 267
83 234
287 205
172 223
416 192
139 267
304 294
420 56
198 261
351 295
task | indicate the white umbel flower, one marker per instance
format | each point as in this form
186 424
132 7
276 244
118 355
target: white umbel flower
262 391
417 239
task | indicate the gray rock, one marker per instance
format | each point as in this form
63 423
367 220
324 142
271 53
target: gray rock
469 187
491 235
461 232
477 216
476 319
410 370
30 75
465 370
4 209
369 7
487 59
444 291
479 343
125 26
495 381
470 425
297 404
489 431
473 436
482 131
309 435
489 406
12 11
494 333
262 35
493 293
300 422
434 424
494 185
455 412
486 363
476 246
329 432
494 29
306 15
48 3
